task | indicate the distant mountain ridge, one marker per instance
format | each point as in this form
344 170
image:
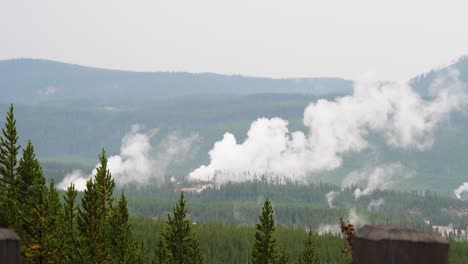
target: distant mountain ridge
35 80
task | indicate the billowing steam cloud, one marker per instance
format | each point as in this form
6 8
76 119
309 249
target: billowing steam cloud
135 164
393 110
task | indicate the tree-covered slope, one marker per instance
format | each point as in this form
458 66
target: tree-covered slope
34 80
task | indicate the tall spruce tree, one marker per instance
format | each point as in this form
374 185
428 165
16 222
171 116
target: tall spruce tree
42 226
34 225
181 243
122 245
90 224
265 249
54 222
70 211
104 186
8 172
309 255
9 150
29 169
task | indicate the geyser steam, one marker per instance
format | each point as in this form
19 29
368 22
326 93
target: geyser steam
379 177
137 164
401 116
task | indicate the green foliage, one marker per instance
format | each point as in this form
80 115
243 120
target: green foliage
42 230
284 257
309 255
70 238
194 247
9 151
104 186
9 181
104 234
181 242
122 245
29 169
160 252
90 227
265 250
100 232
54 221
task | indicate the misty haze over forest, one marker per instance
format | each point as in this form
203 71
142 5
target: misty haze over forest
320 148
263 132
165 123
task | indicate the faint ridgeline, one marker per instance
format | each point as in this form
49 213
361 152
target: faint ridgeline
387 244
9 247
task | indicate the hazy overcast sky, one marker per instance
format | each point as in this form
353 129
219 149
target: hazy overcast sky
396 39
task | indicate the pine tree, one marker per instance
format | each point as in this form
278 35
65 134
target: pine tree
9 151
265 250
122 245
181 244
160 253
29 169
195 254
104 185
34 226
54 225
91 249
309 255
70 226
31 191
95 214
8 173
42 228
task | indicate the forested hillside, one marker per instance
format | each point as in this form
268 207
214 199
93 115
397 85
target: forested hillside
92 111
33 81
214 226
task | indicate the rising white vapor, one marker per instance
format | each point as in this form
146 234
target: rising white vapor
379 177
375 205
330 196
460 190
335 128
356 219
328 229
137 164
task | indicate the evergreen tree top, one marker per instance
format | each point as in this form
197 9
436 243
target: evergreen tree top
9 150
104 185
265 250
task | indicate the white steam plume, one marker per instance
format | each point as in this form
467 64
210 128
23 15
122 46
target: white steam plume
328 229
330 196
356 219
375 205
135 164
460 190
393 110
379 177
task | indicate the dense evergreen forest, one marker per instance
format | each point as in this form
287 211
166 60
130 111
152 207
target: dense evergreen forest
256 222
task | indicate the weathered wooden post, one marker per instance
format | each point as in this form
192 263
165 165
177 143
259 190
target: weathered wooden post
9 247
387 244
